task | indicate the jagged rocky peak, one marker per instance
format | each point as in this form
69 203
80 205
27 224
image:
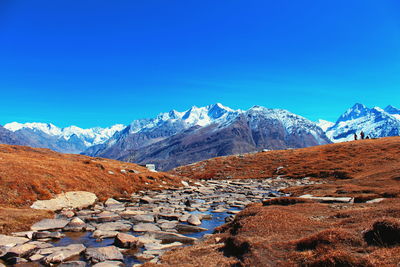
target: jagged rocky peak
218 110
392 110
357 111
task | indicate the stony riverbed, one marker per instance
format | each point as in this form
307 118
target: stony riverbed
126 232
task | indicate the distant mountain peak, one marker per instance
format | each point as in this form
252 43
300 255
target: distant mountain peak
217 110
356 111
392 110
173 114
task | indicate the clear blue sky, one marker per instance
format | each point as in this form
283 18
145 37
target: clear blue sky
96 62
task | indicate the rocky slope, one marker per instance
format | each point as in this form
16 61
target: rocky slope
374 122
174 138
8 137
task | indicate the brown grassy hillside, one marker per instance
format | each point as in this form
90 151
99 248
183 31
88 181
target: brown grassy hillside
28 174
304 233
368 168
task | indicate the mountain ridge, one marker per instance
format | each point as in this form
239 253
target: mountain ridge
70 139
182 137
175 138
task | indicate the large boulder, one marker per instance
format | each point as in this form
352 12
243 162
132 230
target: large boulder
75 200
61 254
194 220
75 225
110 253
126 241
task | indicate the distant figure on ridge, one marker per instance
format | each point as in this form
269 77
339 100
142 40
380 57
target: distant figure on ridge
362 135
355 136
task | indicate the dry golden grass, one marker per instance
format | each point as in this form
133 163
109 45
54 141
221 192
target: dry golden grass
28 174
20 219
285 232
304 234
365 169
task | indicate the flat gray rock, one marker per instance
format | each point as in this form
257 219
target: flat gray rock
109 264
73 264
114 226
10 241
329 199
143 218
49 224
185 229
168 237
23 250
74 200
104 234
145 227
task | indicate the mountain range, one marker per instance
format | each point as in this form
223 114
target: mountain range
177 138
67 140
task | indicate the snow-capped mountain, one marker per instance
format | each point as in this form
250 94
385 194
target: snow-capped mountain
195 116
325 125
69 140
175 138
395 112
374 122
144 132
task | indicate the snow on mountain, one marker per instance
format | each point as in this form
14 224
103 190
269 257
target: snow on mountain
324 125
292 123
89 137
179 121
198 133
46 128
395 112
374 122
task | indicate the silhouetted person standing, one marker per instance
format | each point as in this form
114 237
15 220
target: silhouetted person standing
355 136
362 135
